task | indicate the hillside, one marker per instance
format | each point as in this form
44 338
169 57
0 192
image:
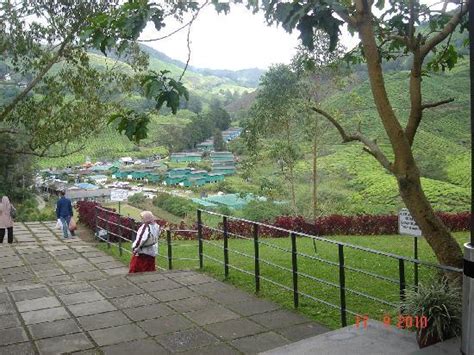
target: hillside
351 181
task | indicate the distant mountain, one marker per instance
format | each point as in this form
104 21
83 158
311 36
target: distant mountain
245 77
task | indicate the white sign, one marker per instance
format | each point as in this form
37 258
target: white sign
406 224
118 195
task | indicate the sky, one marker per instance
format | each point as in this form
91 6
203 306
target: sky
238 40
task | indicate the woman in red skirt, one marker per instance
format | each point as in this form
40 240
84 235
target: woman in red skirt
145 246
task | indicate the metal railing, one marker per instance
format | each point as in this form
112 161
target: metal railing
103 232
299 275
294 257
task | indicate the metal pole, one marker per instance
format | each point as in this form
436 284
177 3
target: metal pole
199 222
467 338
415 256
108 231
257 257
294 264
119 207
226 248
401 271
96 222
170 255
120 236
342 285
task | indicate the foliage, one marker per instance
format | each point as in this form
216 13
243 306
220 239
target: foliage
219 144
441 303
137 199
261 211
27 210
178 206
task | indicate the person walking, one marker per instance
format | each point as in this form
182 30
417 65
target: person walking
64 213
6 219
145 245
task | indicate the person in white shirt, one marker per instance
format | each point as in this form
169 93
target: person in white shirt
145 245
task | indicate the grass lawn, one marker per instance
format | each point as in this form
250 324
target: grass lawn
134 212
275 251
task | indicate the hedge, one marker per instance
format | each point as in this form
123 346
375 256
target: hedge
323 226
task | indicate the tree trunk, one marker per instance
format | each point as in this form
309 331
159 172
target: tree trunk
447 250
445 247
315 176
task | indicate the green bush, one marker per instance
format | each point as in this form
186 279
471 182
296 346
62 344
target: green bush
137 200
264 211
178 206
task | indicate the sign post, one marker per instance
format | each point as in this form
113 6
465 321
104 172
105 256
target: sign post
118 195
408 226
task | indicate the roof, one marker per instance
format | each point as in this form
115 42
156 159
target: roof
98 177
203 202
88 193
86 186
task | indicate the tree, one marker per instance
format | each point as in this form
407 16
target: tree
318 71
219 144
275 113
396 32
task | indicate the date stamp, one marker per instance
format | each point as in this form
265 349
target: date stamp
400 321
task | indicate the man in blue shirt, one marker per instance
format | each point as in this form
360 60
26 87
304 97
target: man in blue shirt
64 213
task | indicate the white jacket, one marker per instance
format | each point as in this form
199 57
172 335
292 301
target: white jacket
146 241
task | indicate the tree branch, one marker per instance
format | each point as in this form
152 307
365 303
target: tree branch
9 108
371 146
435 104
446 31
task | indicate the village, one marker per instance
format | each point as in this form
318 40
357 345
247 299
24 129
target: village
177 174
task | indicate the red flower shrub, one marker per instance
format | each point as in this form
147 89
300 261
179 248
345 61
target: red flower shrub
107 218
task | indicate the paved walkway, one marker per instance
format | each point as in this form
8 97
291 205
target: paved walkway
68 297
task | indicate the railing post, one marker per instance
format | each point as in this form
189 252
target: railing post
415 254
96 222
342 285
199 222
120 235
170 255
401 271
108 231
257 257
294 263
226 247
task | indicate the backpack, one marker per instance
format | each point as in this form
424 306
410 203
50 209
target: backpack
12 212
153 240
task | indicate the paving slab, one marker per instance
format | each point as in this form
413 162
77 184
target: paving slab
217 349
134 301
12 336
54 329
142 347
261 342
18 349
119 334
302 331
166 324
148 312
37 303
81 297
9 321
103 320
253 307
186 339
235 328
189 304
64 344
45 315
279 319
70 288
174 294
85 309
211 314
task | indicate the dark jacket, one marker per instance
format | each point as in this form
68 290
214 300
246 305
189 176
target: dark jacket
64 208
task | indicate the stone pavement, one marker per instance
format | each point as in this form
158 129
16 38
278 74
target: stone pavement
68 297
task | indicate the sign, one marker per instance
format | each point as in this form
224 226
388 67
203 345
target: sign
406 224
118 195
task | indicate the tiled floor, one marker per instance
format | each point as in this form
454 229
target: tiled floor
68 297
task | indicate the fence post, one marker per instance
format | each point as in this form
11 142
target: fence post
401 271
294 263
96 221
226 248
199 222
120 235
342 285
415 254
257 257
170 255
108 230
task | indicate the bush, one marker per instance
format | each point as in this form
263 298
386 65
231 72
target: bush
137 199
264 211
178 206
